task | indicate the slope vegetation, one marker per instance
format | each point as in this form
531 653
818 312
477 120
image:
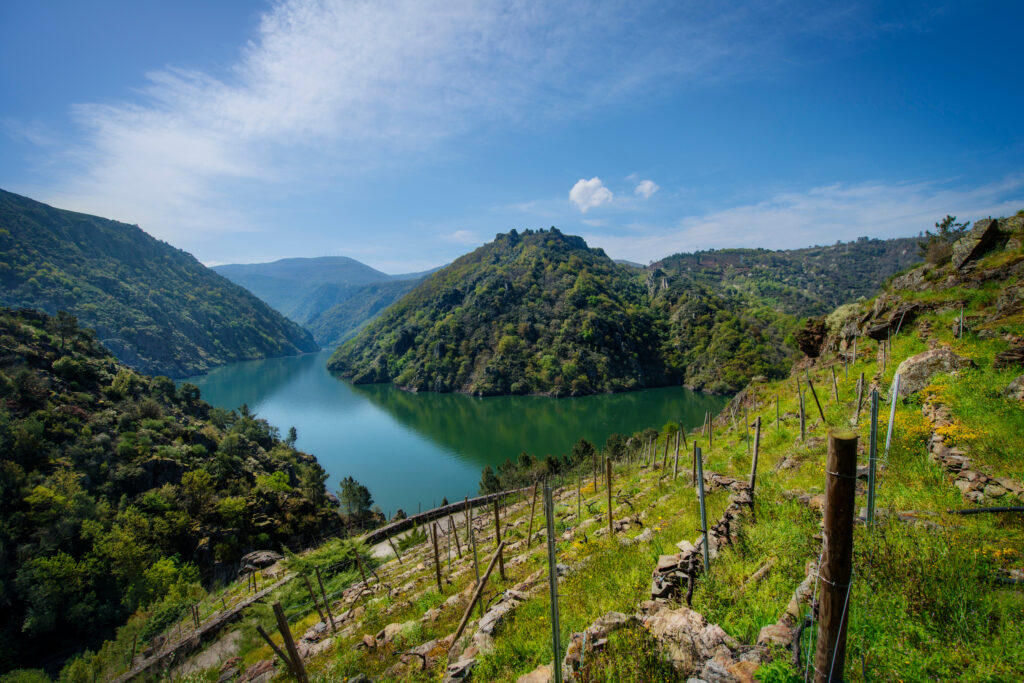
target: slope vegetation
155 307
935 594
540 312
332 296
532 312
120 491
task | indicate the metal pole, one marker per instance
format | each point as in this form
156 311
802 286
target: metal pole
703 509
556 640
872 456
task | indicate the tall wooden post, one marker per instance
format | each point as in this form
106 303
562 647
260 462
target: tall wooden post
835 384
608 483
860 399
711 431
693 474
803 418
497 539
753 465
837 556
323 594
476 564
746 427
312 596
778 417
814 394
579 497
455 534
437 560
872 456
703 509
664 460
682 430
476 595
549 515
533 507
298 668
675 465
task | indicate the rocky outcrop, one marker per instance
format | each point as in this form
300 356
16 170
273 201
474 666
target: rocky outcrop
811 337
976 486
1015 389
917 371
976 242
1009 358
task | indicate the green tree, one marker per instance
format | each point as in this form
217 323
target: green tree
582 451
65 326
355 501
489 482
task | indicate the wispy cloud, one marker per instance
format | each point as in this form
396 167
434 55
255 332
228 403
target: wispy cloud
820 215
464 237
645 188
329 87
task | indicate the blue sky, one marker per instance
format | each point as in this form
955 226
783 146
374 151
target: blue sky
406 132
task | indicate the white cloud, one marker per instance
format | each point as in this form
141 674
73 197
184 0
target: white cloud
646 188
586 194
465 237
330 87
820 215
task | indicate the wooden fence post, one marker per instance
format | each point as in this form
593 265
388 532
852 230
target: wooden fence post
480 583
275 648
675 464
437 560
803 418
860 399
312 596
549 514
703 509
455 534
608 483
835 384
814 394
872 456
664 460
323 594
693 474
778 418
476 564
746 427
533 507
837 556
497 539
298 668
753 465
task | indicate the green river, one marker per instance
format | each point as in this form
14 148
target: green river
413 450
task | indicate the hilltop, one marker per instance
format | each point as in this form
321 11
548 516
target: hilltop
935 593
120 491
155 307
542 313
331 296
537 312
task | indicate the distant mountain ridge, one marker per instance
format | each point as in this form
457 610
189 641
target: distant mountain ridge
541 312
154 306
332 296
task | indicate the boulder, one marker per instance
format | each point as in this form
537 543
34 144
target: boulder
542 674
811 337
1015 389
1009 358
975 243
917 371
261 558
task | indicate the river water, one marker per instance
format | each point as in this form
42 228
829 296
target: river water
413 450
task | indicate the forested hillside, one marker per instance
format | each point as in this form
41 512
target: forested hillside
531 312
809 281
331 296
540 312
155 307
120 491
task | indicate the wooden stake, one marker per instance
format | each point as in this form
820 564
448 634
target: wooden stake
437 560
835 384
675 465
275 648
872 456
476 565
683 432
803 418
753 465
711 431
860 399
608 482
746 427
298 668
455 533
778 417
549 515
466 515
497 539
814 394
703 509
837 556
323 594
693 475
312 596
579 503
480 583
395 548
533 507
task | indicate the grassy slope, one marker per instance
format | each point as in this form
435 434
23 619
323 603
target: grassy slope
924 605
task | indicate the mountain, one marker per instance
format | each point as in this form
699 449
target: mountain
809 281
542 313
155 307
120 491
536 312
332 296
